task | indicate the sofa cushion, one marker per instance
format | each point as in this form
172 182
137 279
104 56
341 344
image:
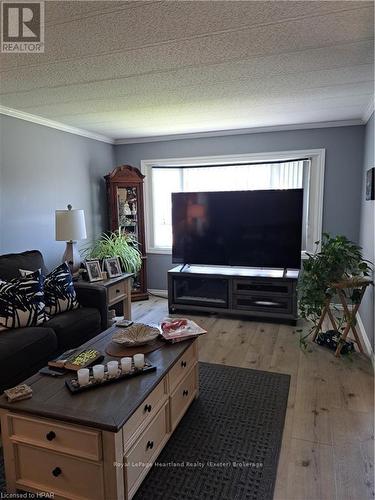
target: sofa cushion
22 302
21 349
59 292
72 328
11 263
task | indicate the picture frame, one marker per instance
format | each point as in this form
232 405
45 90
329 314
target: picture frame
370 184
113 267
94 271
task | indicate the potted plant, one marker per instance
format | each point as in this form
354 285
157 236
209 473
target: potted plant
117 244
338 259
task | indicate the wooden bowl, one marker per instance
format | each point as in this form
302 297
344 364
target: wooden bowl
136 334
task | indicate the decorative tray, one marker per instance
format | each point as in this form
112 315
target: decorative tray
74 387
135 335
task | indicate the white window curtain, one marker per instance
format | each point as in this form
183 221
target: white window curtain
168 180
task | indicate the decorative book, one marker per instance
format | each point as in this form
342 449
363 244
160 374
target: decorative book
179 329
76 359
18 393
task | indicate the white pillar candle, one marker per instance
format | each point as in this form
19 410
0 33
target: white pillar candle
112 368
83 376
126 365
139 360
98 372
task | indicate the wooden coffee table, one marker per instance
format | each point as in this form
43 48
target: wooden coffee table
97 444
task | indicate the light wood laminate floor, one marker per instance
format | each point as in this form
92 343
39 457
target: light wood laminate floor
328 441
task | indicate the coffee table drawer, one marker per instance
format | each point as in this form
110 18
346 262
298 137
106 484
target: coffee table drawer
183 395
73 440
145 450
182 366
65 476
144 413
116 292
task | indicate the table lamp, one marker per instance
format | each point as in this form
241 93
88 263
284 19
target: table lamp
71 227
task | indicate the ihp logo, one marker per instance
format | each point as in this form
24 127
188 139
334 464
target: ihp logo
22 27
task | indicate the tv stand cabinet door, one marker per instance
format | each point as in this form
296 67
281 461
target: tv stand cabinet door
198 290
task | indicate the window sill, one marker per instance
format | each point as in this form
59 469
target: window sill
159 251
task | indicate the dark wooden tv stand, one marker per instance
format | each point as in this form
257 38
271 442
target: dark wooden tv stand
255 292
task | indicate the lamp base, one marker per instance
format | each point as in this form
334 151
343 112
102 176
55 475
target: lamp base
72 257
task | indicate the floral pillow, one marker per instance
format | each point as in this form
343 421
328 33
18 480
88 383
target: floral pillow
22 302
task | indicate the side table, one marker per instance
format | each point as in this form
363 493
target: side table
118 290
349 314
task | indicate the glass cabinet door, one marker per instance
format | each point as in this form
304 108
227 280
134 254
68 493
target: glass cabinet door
128 221
127 210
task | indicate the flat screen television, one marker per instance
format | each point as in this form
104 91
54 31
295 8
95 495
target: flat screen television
238 228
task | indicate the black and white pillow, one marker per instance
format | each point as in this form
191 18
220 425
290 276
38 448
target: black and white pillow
59 292
22 302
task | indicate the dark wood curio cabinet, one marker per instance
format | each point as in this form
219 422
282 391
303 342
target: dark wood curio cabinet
126 212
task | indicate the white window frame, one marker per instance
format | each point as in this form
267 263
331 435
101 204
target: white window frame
316 187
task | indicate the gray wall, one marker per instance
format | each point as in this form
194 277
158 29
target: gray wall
41 170
367 230
343 182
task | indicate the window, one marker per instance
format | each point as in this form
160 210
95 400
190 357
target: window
164 177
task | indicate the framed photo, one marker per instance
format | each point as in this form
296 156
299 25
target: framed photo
370 184
113 267
93 270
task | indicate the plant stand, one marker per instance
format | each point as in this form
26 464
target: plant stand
350 315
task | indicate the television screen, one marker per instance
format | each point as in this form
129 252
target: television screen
238 228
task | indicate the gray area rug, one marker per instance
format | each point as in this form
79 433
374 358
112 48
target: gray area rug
227 446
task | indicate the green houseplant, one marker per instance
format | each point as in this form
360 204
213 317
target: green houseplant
339 258
117 244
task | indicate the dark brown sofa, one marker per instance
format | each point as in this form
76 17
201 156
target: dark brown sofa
23 351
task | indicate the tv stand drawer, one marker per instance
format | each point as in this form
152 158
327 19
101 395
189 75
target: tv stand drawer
264 287
263 303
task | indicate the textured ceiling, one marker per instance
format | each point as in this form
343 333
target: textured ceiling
140 69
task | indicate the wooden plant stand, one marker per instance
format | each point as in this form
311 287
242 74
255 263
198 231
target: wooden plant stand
349 315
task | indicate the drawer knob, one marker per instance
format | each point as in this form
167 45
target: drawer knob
148 408
56 471
185 392
50 436
117 290
183 364
150 445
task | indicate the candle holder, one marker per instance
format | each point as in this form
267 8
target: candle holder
75 388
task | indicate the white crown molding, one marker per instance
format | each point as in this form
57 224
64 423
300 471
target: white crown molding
368 111
242 131
174 137
52 124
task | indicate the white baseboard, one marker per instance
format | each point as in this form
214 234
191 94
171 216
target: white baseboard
364 338
362 334
158 293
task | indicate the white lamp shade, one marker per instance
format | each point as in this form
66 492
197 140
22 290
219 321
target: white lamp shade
70 225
